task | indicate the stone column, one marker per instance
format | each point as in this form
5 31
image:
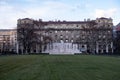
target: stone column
17 48
26 51
42 49
97 47
49 46
102 51
85 47
112 46
107 48
22 49
31 50
36 48
78 46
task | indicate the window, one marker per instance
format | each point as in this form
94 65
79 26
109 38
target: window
55 31
104 36
61 41
66 40
61 36
108 31
99 36
56 36
72 40
25 22
83 46
66 31
76 25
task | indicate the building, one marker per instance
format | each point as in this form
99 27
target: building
8 40
117 39
65 37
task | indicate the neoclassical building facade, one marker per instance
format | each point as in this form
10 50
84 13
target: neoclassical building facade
8 40
117 39
65 37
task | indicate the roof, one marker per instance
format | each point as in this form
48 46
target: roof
7 29
25 19
68 22
103 18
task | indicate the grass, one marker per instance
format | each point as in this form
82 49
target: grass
62 67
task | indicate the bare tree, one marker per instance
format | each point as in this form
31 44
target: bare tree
29 38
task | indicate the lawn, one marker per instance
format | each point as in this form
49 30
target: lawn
59 67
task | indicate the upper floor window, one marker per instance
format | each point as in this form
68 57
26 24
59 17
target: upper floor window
66 31
55 31
104 36
61 36
24 21
77 25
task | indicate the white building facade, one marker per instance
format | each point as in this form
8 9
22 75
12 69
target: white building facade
65 37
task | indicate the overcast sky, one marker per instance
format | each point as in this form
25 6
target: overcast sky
77 10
